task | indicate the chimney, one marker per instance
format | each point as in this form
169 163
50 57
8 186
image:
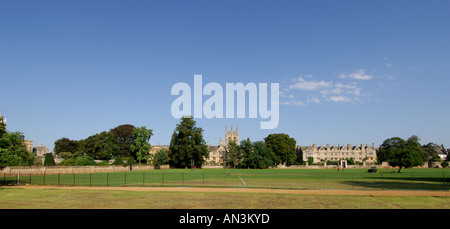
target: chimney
349 146
328 146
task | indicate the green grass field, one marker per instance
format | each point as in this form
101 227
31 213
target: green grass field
358 179
21 198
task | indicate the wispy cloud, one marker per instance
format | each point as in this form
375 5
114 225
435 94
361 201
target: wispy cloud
339 99
305 89
303 84
357 75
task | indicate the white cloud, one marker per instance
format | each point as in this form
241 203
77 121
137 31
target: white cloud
305 89
303 84
358 75
294 103
339 99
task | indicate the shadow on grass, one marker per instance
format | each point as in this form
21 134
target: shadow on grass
400 182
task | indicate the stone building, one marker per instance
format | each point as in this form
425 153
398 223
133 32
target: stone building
40 150
28 145
157 148
231 136
362 153
217 153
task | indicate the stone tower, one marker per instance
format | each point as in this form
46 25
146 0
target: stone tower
231 136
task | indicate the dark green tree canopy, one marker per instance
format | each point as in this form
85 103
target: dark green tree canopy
283 147
254 155
65 145
161 157
187 147
401 153
123 138
49 160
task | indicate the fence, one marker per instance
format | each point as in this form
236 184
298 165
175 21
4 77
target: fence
225 178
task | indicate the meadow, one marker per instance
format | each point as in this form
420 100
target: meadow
355 179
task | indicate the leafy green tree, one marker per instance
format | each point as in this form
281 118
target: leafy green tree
12 150
65 145
234 154
123 138
187 145
48 160
389 148
249 155
263 155
407 154
284 148
141 146
161 157
98 146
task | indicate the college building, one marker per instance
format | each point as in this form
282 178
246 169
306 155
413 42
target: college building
362 153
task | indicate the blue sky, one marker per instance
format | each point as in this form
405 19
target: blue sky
350 72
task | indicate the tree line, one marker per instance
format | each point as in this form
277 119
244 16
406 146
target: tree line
124 141
188 149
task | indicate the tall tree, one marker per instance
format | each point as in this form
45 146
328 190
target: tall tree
284 148
187 145
123 138
141 146
234 154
